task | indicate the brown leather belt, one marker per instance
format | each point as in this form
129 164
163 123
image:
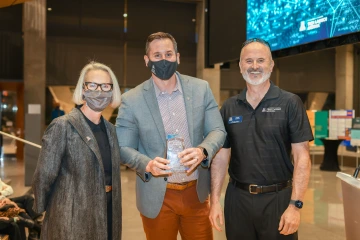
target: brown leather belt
108 188
256 189
180 186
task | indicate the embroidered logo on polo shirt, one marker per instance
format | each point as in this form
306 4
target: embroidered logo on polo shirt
271 109
235 119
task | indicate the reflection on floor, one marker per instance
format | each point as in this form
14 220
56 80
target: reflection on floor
321 218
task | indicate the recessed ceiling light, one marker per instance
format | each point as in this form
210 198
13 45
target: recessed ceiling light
49 9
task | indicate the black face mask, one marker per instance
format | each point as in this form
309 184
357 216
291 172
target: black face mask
163 69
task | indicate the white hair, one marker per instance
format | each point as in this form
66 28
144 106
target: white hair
78 92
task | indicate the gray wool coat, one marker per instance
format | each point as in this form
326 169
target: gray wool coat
69 181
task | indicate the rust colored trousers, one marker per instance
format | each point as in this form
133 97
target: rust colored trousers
181 212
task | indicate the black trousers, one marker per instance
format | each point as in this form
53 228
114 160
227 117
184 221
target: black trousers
26 202
109 214
255 217
12 229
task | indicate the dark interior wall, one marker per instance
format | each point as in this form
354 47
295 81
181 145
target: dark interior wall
83 30
11 43
91 32
231 77
66 56
356 93
310 72
226 30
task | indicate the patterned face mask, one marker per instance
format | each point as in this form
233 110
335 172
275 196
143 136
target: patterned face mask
97 100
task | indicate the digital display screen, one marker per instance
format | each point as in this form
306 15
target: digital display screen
290 23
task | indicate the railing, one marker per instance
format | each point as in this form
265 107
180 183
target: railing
20 139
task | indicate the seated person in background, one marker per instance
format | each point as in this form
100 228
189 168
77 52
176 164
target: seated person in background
9 227
10 223
25 203
57 112
11 212
6 226
5 190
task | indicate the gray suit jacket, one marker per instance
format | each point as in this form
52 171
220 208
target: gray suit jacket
69 181
141 136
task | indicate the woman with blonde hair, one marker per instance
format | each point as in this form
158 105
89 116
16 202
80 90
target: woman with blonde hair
77 178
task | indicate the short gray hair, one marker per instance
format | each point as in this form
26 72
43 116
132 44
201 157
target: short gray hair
78 92
258 40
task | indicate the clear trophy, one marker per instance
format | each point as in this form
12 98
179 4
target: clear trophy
175 145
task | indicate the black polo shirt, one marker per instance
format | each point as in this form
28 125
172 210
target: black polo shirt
260 139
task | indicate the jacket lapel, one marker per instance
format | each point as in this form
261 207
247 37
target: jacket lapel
110 135
78 121
152 103
188 96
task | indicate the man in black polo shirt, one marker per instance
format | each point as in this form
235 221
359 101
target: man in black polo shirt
264 123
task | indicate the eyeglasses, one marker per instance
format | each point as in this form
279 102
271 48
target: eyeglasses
106 87
251 40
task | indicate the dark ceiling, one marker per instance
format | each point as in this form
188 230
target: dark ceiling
99 19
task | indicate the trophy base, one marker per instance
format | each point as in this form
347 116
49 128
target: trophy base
177 170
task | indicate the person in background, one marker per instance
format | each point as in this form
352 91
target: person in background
77 178
25 202
57 112
5 189
11 228
11 212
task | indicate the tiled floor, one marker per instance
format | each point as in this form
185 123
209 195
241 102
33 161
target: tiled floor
321 218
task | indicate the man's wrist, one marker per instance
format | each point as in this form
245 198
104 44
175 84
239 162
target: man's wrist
147 168
293 207
297 204
214 201
204 152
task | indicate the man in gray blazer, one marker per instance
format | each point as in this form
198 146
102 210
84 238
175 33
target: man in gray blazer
169 105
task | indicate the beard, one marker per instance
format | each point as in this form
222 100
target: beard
264 77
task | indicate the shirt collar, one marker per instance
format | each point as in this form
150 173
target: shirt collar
177 86
273 92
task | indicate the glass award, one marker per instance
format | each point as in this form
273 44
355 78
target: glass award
174 146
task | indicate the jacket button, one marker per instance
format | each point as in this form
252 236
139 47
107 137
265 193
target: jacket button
165 179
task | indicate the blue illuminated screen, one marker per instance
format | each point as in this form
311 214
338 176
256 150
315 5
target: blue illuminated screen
289 23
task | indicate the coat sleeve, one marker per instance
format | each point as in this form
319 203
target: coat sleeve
214 130
49 162
128 137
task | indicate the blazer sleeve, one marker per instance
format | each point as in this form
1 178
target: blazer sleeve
49 162
214 130
128 137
